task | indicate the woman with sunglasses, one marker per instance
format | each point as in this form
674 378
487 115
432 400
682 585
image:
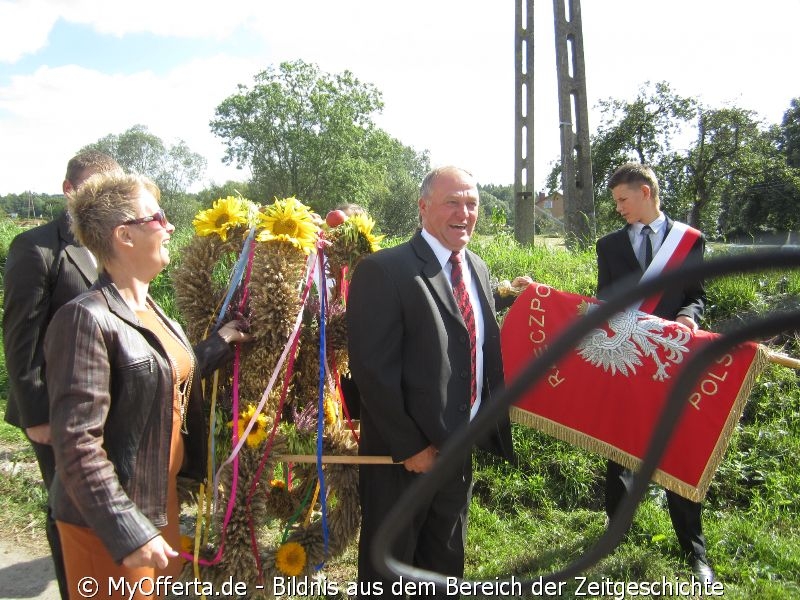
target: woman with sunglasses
126 408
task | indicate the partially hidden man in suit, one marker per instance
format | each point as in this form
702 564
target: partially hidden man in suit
45 269
644 244
420 374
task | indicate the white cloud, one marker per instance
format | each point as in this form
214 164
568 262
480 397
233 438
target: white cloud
48 115
24 27
181 18
708 50
443 68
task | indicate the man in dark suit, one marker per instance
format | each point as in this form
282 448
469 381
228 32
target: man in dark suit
424 350
45 269
622 258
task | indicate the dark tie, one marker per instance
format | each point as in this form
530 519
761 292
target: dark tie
465 306
648 246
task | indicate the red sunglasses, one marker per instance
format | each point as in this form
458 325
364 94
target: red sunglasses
159 217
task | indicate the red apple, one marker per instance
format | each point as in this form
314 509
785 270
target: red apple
335 218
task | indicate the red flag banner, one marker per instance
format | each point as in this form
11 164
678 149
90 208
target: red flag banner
607 393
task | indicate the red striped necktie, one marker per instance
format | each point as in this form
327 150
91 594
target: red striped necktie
465 306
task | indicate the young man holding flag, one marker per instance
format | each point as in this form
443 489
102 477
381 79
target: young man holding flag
650 242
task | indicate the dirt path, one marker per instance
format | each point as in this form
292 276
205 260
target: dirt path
26 570
25 573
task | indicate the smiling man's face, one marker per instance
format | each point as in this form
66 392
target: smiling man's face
450 211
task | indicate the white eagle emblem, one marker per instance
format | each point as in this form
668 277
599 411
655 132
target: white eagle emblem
634 336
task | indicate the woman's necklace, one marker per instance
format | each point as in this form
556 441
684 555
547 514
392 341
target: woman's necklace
182 390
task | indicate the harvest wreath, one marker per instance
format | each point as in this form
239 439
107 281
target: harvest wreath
259 263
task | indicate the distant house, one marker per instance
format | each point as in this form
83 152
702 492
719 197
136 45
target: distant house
552 204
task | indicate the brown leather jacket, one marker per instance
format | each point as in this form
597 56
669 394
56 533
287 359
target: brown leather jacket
110 387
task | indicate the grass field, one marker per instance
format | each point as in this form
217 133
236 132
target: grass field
539 516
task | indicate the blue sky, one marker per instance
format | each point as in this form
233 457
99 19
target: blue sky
73 72
74 43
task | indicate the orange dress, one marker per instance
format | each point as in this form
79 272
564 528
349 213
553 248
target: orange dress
84 553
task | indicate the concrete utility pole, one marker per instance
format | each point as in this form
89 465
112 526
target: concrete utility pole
576 159
31 207
524 194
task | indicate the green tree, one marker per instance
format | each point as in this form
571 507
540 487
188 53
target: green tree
768 199
31 205
17 204
393 200
174 169
771 205
490 214
180 168
504 195
732 179
206 196
310 134
640 130
732 151
305 133
790 134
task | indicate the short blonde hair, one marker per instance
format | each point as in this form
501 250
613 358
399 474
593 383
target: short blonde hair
103 202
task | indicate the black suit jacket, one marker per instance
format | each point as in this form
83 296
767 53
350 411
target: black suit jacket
617 267
409 352
45 269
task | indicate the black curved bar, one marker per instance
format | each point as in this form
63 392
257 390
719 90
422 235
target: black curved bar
460 445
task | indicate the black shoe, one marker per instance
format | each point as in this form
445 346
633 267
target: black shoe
702 570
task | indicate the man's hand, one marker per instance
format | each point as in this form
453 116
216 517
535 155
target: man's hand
513 288
155 553
687 322
521 282
39 433
421 462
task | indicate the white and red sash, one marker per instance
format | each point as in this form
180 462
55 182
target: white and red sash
670 255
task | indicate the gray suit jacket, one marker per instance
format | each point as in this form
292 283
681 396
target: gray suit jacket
409 352
45 269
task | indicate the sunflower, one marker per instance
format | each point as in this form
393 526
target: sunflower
290 559
291 221
259 431
331 409
277 484
225 214
365 225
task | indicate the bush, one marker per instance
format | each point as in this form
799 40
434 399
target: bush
8 231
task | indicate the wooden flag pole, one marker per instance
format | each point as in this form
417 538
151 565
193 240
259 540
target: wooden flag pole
784 360
337 459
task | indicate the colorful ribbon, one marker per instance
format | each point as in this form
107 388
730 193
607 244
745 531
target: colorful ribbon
321 415
236 277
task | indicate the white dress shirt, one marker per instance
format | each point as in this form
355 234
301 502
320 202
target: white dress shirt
443 256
